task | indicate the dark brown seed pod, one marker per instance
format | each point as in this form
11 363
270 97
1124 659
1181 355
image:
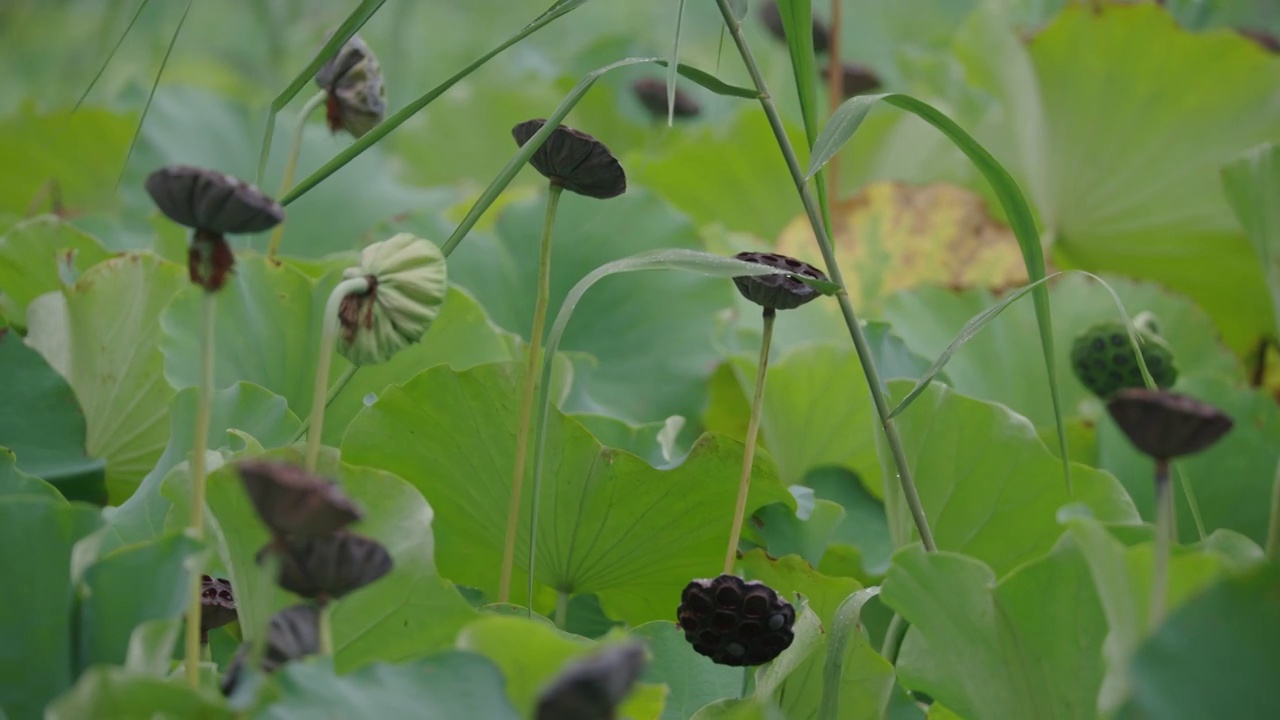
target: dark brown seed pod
574 160
327 567
356 96
591 689
292 634
855 79
292 501
735 622
211 201
217 605
777 291
771 16
652 94
1166 425
1265 40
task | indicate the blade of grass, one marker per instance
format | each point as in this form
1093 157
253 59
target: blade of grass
841 127
797 24
382 129
155 83
526 151
107 61
355 20
835 89
844 623
672 67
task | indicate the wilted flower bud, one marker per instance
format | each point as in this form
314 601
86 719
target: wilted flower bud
217 605
1167 425
292 501
407 282
777 291
327 567
574 160
592 688
652 94
357 99
735 622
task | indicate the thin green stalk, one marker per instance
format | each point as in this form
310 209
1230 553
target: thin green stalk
562 609
291 166
526 402
749 452
833 270
1273 530
893 639
208 318
1192 502
337 387
328 339
746 682
835 92
325 631
1160 561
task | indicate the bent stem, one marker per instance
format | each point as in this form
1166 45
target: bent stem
1273 530
325 631
893 639
208 316
1160 561
833 271
337 387
328 338
526 400
748 453
291 166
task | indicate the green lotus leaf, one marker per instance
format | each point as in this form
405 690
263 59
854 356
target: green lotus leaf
116 692
693 679
32 256
15 482
78 152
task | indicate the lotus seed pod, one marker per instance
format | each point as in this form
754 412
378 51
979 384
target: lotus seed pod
777 291
1167 425
1104 361
591 689
407 282
652 94
211 201
292 501
292 634
217 605
735 622
327 567
357 97
574 160
855 79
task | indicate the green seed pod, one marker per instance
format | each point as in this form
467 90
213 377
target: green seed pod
407 283
357 98
1104 361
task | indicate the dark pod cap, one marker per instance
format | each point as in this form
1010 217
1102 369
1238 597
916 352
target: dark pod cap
357 97
771 16
292 634
292 501
592 688
207 200
217 604
1265 40
329 566
652 94
735 622
1103 360
777 291
575 160
855 79
1167 425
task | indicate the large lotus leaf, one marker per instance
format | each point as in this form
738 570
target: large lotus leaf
408 612
1251 183
448 685
45 425
1002 362
893 236
626 321
990 487
610 523
692 679
1216 656
1118 186
15 482
146 581
33 252
37 535
864 525
1027 646
1231 481
103 335
81 152
244 407
114 692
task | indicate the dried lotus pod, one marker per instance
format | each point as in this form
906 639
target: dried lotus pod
652 94
1166 425
407 283
574 160
735 622
215 202
356 98
855 79
592 688
777 291
292 501
217 605
327 567
292 634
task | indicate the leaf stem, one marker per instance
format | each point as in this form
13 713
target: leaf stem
291 166
325 630
1160 561
337 387
328 338
833 270
200 445
562 608
1273 529
749 452
893 639
526 405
